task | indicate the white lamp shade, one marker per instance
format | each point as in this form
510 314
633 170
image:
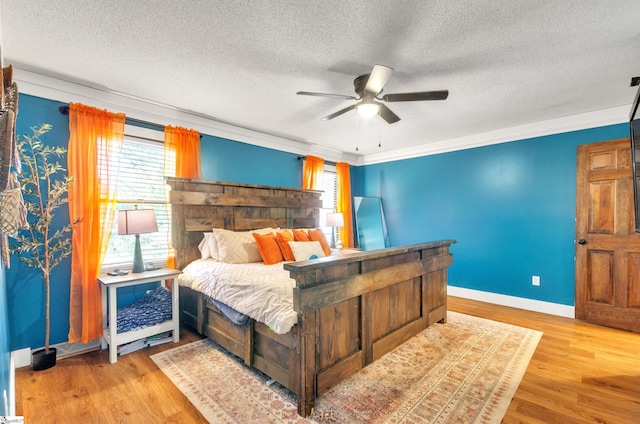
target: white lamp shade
137 221
335 220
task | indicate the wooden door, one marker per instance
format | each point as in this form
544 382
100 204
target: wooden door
607 247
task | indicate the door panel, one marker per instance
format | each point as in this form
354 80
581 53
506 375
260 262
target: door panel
608 250
601 271
601 218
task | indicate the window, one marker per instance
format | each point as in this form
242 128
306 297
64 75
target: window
141 183
328 198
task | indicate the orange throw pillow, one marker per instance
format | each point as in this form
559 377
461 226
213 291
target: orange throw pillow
318 235
300 235
268 248
283 238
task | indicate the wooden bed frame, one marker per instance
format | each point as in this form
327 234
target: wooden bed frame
351 310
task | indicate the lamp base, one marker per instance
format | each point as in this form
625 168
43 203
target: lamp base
138 264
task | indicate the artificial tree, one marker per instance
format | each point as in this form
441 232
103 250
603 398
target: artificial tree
44 185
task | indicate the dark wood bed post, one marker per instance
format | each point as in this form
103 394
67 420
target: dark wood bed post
307 351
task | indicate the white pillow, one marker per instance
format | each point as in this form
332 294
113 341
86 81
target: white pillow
213 244
304 250
205 251
238 247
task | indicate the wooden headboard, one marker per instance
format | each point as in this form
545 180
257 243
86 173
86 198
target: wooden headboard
198 206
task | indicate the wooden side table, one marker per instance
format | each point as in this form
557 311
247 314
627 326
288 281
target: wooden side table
108 287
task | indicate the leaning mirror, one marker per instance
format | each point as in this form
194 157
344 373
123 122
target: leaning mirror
371 227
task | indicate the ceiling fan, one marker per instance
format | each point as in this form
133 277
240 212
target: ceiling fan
368 87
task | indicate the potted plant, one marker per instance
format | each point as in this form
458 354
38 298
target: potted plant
44 186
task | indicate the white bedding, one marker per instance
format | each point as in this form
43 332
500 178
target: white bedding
263 292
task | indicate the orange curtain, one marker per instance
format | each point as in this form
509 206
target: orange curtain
343 202
181 159
312 173
183 145
95 145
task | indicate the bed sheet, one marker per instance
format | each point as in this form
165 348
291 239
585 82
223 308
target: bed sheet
263 292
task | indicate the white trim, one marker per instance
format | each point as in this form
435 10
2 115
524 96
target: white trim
21 357
12 387
147 110
513 301
67 349
64 91
598 118
145 133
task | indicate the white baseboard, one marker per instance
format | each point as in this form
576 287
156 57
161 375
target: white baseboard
513 301
12 387
23 356
66 349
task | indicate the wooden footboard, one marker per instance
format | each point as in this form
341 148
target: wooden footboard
354 309
351 310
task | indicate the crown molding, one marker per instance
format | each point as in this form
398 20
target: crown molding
598 118
65 91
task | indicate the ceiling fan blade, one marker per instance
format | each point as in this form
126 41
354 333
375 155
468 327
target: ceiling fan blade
377 79
333 96
340 112
417 96
386 114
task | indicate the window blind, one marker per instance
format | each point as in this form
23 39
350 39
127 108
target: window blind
328 198
140 182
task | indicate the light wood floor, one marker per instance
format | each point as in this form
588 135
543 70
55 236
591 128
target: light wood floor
580 373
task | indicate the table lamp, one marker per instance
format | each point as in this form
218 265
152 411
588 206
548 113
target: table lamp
335 220
137 221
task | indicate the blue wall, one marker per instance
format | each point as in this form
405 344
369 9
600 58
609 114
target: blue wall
510 206
222 160
227 160
25 290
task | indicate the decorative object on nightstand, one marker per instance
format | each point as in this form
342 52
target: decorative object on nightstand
137 221
335 220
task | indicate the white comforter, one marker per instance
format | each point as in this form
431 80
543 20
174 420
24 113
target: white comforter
263 292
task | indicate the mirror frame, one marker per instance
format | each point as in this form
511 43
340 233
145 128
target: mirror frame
357 200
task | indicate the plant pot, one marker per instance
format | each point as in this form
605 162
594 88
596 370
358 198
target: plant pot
42 360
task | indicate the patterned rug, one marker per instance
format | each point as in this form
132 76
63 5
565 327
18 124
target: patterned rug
465 371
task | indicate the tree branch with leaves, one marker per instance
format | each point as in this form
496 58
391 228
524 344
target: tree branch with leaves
44 186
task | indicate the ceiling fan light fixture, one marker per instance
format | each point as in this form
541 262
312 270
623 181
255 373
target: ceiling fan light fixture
368 88
367 110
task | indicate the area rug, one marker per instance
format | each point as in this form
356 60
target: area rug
465 371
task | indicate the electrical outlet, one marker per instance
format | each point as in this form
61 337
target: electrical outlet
535 280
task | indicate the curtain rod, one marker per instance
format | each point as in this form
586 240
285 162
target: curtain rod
131 121
326 162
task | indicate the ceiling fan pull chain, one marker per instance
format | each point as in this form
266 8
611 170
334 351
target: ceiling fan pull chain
357 132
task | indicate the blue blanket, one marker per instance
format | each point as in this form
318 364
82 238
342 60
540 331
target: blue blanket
152 308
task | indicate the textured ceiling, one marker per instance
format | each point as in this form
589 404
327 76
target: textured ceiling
505 63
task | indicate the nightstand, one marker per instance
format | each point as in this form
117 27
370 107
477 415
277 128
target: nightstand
108 287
